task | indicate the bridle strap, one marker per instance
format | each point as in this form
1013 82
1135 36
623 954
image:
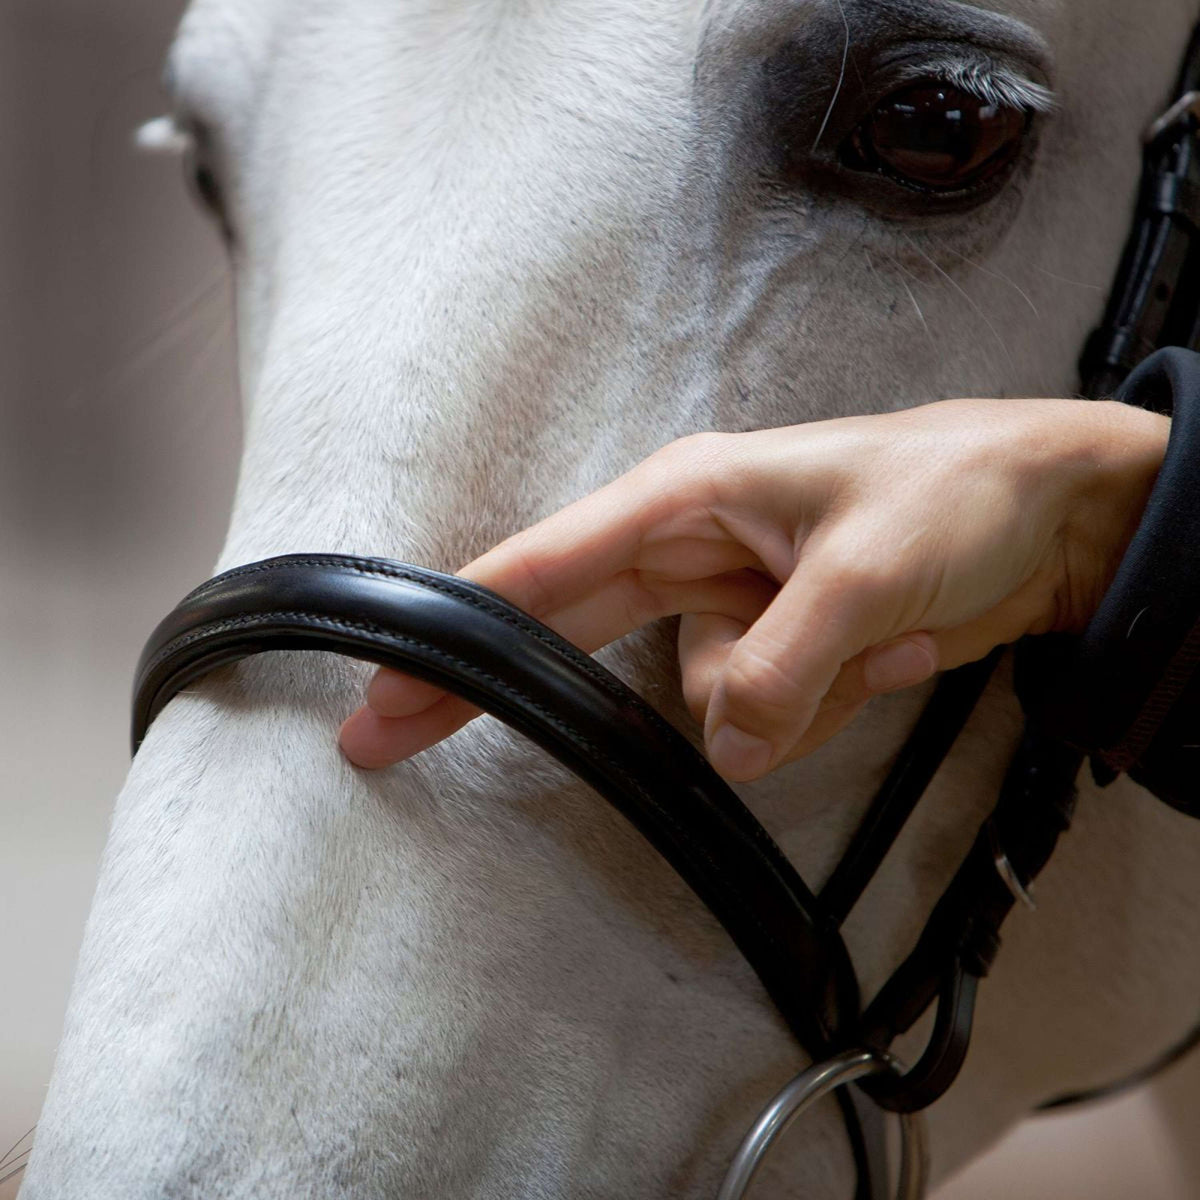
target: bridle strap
1154 301
469 641
1155 297
942 720
962 936
466 639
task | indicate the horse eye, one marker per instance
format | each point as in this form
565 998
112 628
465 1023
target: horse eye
933 137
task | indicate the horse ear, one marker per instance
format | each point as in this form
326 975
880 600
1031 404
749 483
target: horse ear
162 135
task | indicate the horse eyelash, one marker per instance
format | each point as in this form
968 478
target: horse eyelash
989 82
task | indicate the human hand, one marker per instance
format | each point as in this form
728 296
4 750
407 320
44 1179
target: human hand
818 565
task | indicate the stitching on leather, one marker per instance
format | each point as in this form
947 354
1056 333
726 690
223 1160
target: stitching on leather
364 627
503 612
510 614
202 632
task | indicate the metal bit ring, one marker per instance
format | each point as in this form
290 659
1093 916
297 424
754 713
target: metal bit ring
800 1094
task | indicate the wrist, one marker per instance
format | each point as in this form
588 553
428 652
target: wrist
1113 465
1122 689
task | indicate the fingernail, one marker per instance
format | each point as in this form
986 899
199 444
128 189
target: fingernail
738 755
898 664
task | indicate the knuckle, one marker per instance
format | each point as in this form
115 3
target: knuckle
850 573
536 596
759 691
696 451
640 605
708 441
849 576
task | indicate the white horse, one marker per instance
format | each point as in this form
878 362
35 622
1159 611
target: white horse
489 255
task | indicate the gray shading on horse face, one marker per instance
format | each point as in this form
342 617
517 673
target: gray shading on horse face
489 255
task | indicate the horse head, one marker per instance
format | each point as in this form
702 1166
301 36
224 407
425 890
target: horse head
489 255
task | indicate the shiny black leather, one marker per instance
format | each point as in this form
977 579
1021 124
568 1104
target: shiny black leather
468 640
1154 299
478 646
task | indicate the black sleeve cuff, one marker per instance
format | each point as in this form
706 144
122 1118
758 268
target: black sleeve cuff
1127 690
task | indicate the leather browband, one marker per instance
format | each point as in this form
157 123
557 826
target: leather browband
469 641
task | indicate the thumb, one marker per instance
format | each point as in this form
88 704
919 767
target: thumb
827 637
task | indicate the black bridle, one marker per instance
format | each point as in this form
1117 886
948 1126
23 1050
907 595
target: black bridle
473 643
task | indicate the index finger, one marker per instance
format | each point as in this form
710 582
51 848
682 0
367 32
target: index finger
579 551
613 561
404 715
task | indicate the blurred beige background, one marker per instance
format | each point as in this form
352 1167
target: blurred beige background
118 445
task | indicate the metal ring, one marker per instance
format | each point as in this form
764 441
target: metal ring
806 1089
1188 105
914 1157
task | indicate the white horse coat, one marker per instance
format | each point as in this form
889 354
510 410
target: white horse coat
489 255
